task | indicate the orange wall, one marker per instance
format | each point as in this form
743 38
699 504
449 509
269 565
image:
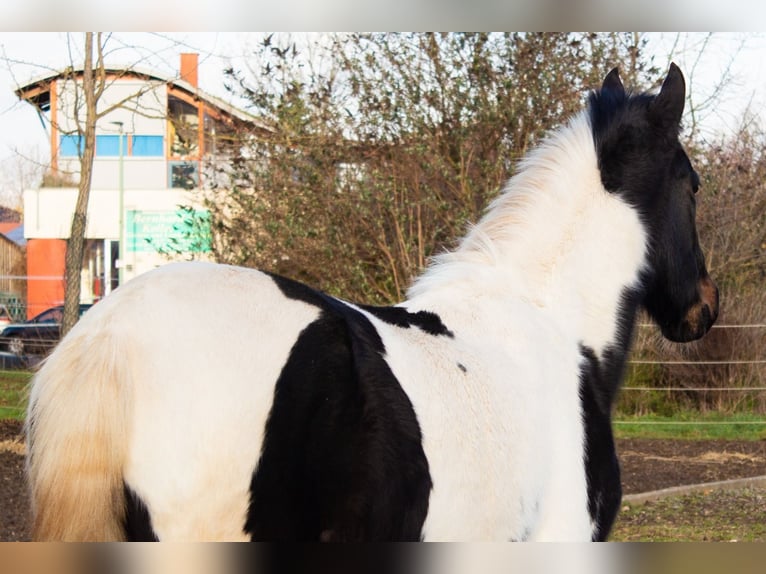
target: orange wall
45 259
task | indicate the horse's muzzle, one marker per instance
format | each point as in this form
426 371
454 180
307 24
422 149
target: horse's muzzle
700 317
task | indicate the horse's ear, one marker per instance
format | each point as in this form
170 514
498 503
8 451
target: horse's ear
668 106
613 83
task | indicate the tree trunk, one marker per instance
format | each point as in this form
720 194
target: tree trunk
76 243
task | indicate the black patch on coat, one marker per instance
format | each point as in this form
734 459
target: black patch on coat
137 523
329 559
301 292
426 321
342 457
641 159
602 469
600 381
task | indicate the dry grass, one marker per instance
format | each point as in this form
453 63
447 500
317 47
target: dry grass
708 516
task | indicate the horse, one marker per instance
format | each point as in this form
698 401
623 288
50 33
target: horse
202 401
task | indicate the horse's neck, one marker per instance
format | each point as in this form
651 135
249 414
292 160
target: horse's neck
555 239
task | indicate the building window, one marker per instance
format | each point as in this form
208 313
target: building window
183 128
183 174
148 146
109 146
71 145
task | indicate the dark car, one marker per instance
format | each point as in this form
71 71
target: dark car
33 339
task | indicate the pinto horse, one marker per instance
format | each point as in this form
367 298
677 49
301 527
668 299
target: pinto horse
211 402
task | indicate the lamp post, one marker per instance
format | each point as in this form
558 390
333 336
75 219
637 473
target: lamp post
121 194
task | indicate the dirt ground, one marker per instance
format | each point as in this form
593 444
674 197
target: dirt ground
646 465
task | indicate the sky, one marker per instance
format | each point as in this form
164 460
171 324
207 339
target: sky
28 55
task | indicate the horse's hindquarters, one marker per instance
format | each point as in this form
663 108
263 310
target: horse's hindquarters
210 344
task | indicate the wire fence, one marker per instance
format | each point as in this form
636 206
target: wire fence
700 362
697 389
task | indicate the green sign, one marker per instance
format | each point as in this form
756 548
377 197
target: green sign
184 230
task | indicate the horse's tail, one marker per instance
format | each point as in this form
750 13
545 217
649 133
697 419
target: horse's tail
77 439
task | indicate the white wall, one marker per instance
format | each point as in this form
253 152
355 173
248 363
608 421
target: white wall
48 210
48 215
144 111
138 172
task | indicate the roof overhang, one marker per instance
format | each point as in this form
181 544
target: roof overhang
37 91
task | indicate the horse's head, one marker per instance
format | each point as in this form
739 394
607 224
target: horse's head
642 160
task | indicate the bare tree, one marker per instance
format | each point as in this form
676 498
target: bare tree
87 83
92 88
381 155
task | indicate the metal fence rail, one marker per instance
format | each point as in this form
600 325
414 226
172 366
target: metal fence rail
693 389
689 423
702 362
697 389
